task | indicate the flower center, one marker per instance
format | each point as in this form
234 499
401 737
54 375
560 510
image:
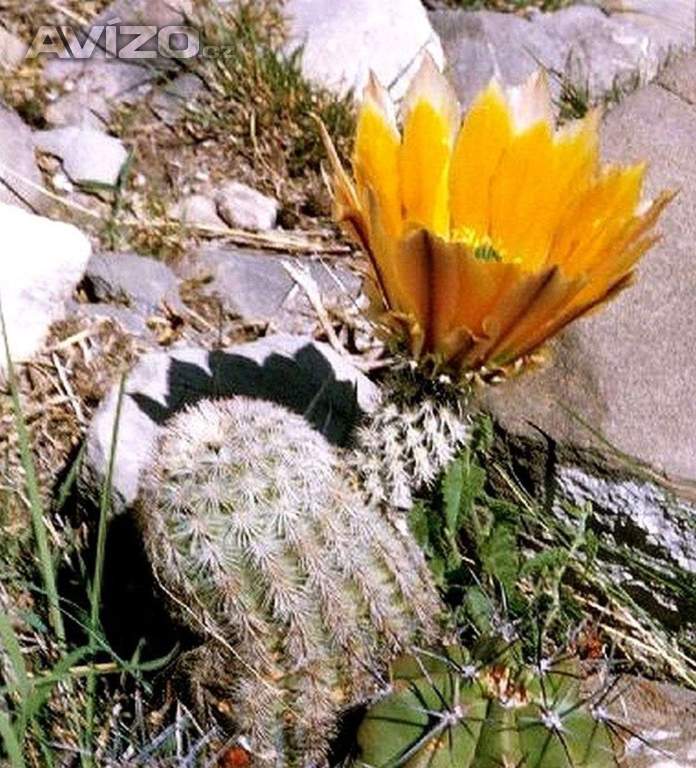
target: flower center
481 245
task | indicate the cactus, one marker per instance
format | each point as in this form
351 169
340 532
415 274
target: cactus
457 710
266 549
411 439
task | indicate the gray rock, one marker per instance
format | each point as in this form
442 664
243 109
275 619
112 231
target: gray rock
19 175
296 372
88 155
98 84
680 79
255 286
241 206
12 50
129 320
138 282
670 23
41 263
580 42
610 420
171 101
345 39
197 210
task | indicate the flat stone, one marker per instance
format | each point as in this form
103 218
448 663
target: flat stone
610 420
12 50
255 286
680 79
196 210
305 376
136 281
345 39
242 207
580 43
41 263
88 155
129 320
19 174
671 23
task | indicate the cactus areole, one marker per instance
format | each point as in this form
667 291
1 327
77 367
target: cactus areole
452 710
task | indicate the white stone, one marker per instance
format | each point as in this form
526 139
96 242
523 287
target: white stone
241 206
196 210
301 374
62 183
87 154
344 39
12 50
20 179
671 23
41 262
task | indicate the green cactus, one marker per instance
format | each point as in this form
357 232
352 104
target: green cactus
458 710
266 549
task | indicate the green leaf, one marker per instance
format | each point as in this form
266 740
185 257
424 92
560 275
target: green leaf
500 556
452 495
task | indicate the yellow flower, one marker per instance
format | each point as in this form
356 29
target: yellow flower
488 234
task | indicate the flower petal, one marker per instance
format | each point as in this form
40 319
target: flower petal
464 288
431 118
484 136
522 179
530 103
400 265
596 218
376 155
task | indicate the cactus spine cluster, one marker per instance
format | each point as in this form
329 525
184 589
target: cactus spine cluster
457 710
407 443
302 592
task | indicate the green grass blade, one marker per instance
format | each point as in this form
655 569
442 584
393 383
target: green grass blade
34 496
10 643
11 742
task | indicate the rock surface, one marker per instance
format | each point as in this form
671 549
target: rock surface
241 206
670 23
19 174
88 155
306 376
41 263
196 210
592 50
12 50
255 286
610 420
136 281
345 39
170 103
